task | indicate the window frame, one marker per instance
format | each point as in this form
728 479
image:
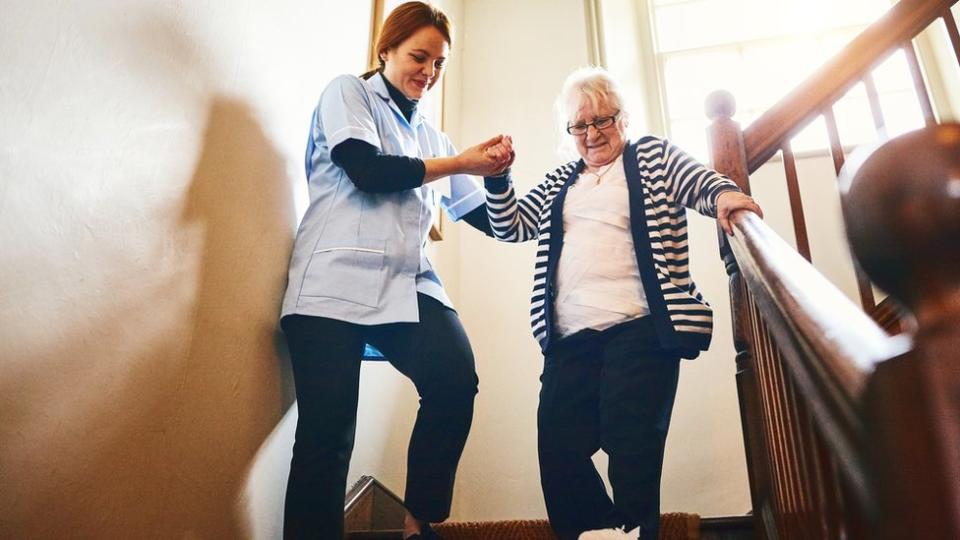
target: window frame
651 63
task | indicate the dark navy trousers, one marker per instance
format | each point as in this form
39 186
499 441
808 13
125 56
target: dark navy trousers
434 353
612 390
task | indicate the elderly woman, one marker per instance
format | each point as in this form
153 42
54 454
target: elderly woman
614 307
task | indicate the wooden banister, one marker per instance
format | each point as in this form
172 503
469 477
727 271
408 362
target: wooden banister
850 433
902 206
952 31
832 328
879 456
903 220
829 345
900 24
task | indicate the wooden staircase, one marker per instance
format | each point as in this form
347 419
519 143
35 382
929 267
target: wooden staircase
373 512
851 433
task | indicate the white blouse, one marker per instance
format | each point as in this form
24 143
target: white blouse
598 282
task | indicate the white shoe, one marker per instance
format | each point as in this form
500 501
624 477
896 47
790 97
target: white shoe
611 534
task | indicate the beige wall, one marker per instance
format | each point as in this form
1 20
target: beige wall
150 166
152 180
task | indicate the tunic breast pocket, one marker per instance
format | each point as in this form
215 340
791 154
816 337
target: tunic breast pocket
353 272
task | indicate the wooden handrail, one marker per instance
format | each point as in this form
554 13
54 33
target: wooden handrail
850 433
763 138
834 329
828 344
884 433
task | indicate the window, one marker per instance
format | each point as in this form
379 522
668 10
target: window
757 49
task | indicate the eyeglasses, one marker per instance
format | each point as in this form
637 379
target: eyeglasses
600 123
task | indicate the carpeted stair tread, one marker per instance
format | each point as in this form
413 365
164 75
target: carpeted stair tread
532 529
673 526
375 535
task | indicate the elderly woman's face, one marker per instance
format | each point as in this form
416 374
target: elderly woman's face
598 147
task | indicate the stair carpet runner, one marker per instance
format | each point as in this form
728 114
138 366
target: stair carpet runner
673 526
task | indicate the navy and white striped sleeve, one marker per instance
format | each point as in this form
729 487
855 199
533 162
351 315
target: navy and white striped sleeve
693 184
514 220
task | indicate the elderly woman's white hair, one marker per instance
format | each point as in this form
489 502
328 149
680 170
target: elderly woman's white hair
593 84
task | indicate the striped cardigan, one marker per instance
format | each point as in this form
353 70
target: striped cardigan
661 181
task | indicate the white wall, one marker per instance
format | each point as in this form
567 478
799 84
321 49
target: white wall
515 54
820 196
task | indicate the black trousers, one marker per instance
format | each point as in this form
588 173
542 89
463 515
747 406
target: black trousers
612 390
434 353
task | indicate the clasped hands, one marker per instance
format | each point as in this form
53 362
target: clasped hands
489 158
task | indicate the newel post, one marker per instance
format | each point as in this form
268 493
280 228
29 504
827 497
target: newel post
902 209
729 158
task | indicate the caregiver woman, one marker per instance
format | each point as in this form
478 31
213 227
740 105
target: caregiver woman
359 274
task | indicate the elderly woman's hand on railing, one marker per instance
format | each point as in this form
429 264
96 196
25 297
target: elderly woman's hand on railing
729 202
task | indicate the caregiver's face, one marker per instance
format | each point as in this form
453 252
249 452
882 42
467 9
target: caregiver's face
415 65
599 147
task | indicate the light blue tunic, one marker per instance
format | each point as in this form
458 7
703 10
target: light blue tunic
359 257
